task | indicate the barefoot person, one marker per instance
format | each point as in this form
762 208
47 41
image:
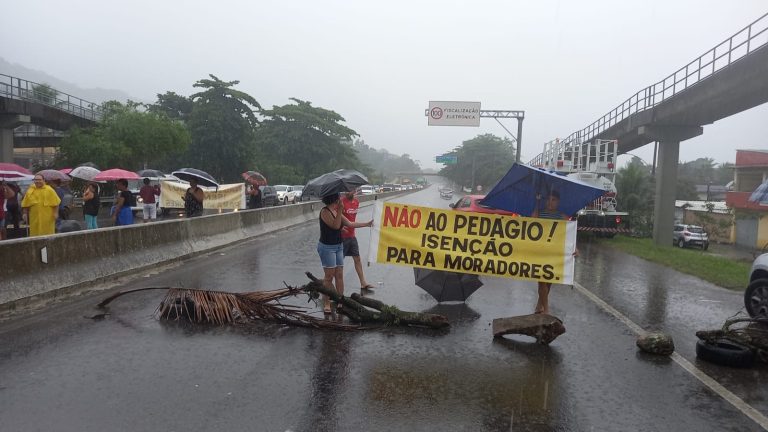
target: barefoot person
351 248
550 211
330 247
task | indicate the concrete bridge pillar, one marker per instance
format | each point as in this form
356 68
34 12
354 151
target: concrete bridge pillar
8 123
669 138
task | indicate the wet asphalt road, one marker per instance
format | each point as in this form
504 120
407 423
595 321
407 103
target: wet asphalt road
130 372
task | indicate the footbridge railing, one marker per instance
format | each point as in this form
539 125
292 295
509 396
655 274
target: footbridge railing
18 88
747 40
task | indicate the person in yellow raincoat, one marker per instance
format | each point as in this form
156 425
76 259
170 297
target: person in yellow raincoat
41 208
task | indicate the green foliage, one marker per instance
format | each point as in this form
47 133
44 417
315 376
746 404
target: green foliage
175 106
720 271
222 123
483 160
381 165
634 190
44 93
310 139
126 138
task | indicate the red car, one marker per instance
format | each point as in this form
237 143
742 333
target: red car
471 203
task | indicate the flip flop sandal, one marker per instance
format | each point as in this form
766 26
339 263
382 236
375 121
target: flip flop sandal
368 286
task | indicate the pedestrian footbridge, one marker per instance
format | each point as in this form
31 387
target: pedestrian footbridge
725 80
41 110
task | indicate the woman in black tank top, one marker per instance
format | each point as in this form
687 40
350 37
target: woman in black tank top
330 247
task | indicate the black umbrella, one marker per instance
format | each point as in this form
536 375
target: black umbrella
445 285
341 180
152 173
202 177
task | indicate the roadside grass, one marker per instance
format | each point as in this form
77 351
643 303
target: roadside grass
725 272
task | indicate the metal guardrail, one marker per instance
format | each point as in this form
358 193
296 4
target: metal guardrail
745 41
17 88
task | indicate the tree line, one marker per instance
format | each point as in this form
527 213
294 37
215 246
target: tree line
225 132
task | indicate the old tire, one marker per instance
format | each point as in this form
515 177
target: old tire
756 298
681 243
725 353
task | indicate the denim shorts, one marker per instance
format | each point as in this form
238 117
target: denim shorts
331 255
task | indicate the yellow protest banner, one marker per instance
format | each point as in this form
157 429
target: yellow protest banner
228 196
477 243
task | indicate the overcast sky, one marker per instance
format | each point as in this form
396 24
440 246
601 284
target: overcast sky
378 64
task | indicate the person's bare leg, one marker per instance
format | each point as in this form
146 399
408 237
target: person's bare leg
542 305
328 274
359 270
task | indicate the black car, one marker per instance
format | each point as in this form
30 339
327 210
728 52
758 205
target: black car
268 196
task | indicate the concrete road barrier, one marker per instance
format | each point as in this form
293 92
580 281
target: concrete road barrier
44 268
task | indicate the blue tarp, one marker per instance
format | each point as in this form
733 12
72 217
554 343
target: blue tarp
517 191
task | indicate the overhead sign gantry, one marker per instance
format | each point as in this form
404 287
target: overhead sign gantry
458 113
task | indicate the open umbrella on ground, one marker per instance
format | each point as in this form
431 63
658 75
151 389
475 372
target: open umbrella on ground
202 177
13 172
52 174
116 174
517 191
255 178
760 195
84 173
447 286
341 180
151 173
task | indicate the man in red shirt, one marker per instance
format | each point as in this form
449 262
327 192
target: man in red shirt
351 205
147 194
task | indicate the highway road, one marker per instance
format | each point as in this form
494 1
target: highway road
60 371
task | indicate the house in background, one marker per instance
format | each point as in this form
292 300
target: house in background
711 192
750 218
714 216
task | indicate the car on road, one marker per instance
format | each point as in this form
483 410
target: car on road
284 194
297 190
471 203
446 193
268 196
690 235
366 190
756 295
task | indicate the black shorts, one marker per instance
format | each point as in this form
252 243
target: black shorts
350 247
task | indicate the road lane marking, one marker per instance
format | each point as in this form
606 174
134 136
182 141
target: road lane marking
705 379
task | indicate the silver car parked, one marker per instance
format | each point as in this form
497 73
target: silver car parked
690 235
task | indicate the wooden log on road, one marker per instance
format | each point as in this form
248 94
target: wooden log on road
382 313
545 328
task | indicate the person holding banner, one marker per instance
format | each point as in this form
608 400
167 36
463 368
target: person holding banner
330 247
550 211
193 199
350 204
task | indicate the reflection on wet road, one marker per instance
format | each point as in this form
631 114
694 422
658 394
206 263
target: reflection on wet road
130 372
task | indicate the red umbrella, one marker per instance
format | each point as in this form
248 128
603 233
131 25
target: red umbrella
13 172
255 178
116 174
66 170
